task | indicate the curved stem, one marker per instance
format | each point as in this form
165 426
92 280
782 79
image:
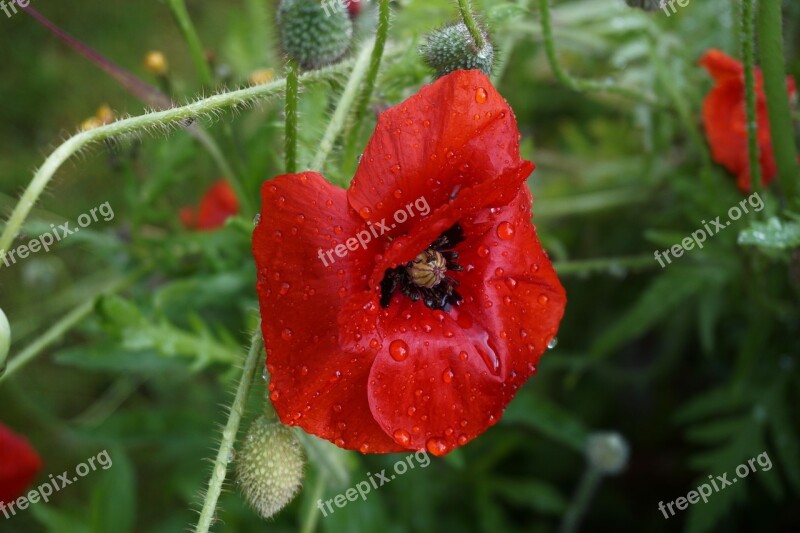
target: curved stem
220 469
471 24
574 83
177 117
58 329
583 497
311 517
364 98
770 38
292 100
748 57
342 110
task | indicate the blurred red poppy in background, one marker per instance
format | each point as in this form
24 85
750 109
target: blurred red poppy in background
217 205
19 464
725 119
406 312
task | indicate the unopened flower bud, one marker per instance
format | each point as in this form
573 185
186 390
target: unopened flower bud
453 48
156 63
270 466
5 338
607 452
314 34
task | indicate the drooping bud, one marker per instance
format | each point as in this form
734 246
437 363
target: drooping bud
314 34
270 466
5 339
156 63
607 452
453 48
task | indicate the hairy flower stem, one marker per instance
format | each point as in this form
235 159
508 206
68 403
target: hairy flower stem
342 110
471 24
576 84
220 469
177 117
770 38
748 56
292 101
364 98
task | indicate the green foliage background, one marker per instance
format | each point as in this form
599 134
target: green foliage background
695 364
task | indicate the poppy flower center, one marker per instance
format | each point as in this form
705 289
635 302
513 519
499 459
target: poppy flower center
426 277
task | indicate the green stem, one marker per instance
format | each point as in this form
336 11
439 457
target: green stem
181 14
748 57
176 117
58 329
382 34
583 497
342 110
770 34
471 24
292 101
311 517
574 83
220 469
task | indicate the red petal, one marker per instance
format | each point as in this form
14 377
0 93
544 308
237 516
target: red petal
218 204
721 66
441 379
314 384
454 134
19 464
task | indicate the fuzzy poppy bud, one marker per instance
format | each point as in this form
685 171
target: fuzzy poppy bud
453 48
5 338
313 34
270 466
607 452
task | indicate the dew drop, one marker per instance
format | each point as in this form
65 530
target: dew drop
447 376
463 356
396 169
481 95
284 288
365 212
552 343
398 193
543 299
398 349
462 440
286 334
506 230
483 251
402 437
436 446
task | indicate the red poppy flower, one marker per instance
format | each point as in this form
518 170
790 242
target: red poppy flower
19 465
354 7
419 337
218 204
725 119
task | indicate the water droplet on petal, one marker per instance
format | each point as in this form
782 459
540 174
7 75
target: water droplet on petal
552 343
436 446
398 349
402 437
481 95
447 376
543 299
483 251
286 334
506 230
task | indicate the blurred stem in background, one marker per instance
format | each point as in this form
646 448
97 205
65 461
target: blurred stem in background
770 35
584 86
748 56
181 15
364 98
469 21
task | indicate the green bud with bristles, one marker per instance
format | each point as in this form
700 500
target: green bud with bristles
313 35
453 48
270 466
